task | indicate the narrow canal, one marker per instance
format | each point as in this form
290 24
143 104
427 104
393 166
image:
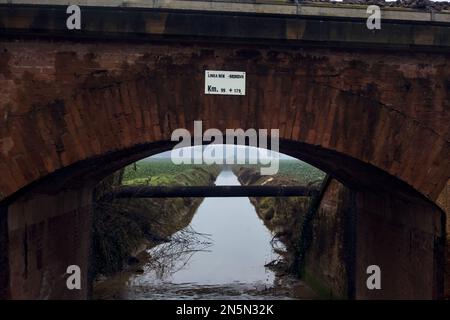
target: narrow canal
222 255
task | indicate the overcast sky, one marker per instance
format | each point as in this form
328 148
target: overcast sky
263 153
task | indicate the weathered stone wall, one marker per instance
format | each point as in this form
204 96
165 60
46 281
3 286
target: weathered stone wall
328 261
4 254
406 240
63 102
444 202
355 229
47 234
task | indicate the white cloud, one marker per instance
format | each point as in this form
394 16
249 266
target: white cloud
228 149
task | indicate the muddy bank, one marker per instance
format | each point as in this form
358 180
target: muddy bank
316 231
123 227
223 259
284 216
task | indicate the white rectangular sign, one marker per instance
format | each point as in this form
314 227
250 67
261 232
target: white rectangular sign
225 82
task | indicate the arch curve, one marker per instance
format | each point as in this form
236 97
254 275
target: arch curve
377 122
111 106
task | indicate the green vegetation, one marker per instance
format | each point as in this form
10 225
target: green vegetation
300 171
284 216
323 292
122 226
295 171
159 172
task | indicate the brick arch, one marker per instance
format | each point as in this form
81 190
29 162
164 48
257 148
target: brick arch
91 107
71 113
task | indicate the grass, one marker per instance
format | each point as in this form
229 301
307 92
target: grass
301 171
162 171
157 171
294 171
121 226
284 216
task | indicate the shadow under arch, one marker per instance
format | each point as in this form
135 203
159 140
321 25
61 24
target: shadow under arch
406 205
351 172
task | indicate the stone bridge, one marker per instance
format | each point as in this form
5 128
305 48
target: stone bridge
369 107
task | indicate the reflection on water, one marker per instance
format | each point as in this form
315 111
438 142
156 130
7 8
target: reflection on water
221 255
240 242
171 258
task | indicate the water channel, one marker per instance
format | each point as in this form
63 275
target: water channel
224 257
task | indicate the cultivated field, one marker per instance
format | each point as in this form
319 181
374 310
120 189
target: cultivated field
162 171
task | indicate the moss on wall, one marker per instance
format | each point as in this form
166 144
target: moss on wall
283 216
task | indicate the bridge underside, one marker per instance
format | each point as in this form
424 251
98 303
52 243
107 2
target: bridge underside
355 225
75 108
